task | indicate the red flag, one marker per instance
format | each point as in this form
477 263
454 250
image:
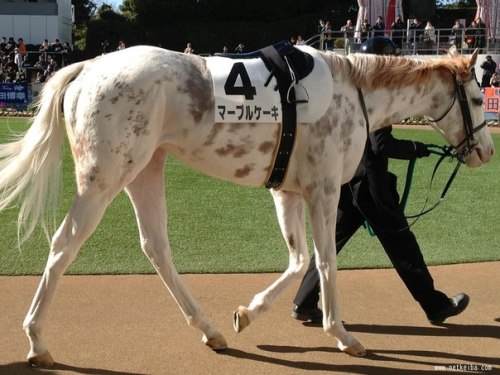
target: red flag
391 15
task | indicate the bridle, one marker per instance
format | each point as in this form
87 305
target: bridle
470 141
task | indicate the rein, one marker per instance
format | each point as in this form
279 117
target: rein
444 152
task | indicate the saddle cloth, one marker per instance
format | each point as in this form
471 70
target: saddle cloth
243 92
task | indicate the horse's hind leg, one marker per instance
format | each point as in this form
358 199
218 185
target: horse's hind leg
148 197
291 217
82 219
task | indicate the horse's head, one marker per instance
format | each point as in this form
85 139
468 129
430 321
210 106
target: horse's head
462 123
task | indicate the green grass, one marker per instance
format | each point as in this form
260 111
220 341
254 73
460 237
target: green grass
219 227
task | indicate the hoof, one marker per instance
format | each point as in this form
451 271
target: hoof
356 350
215 343
42 361
240 319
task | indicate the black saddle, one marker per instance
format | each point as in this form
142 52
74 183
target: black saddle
299 61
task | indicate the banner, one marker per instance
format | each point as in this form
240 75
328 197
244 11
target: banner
377 8
390 15
492 99
15 93
495 19
490 14
362 15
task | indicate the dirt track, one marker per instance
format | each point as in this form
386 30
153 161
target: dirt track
130 325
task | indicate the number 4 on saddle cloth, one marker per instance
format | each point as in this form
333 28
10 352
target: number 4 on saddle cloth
258 79
281 83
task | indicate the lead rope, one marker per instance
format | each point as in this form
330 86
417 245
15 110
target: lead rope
444 152
365 114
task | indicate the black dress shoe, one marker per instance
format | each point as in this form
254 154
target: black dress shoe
457 304
308 314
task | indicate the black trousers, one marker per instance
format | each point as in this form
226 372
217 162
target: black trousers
398 242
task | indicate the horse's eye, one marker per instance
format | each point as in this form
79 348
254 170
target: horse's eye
478 102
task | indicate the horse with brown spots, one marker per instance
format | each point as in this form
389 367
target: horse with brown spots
125 112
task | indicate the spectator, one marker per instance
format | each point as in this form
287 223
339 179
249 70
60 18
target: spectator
479 34
66 54
489 67
379 27
300 40
105 47
56 46
189 49
18 58
397 28
415 31
240 48
3 44
11 69
21 46
328 36
54 66
9 47
429 35
42 63
121 45
44 47
470 35
321 25
365 30
225 49
40 77
348 30
495 80
457 34
51 68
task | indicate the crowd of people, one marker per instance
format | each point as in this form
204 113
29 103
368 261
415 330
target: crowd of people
240 48
475 34
19 64
417 32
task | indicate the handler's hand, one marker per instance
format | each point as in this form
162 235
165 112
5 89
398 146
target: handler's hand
421 150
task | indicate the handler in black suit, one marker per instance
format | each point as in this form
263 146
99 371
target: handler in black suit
372 195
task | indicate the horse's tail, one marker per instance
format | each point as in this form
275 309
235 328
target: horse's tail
30 165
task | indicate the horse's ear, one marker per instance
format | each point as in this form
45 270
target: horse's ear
473 59
453 51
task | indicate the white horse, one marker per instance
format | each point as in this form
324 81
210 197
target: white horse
126 111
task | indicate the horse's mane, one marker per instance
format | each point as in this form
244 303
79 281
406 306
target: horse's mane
372 71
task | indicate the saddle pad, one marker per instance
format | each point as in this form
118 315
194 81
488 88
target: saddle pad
241 95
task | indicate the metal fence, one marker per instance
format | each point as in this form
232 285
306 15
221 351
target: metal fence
412 42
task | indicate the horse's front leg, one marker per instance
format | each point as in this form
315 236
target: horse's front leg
290 211
323 202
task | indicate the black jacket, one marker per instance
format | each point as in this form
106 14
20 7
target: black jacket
373 177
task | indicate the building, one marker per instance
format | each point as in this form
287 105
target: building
35 20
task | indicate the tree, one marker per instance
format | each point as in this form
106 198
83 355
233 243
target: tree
210 24
106 25
84 9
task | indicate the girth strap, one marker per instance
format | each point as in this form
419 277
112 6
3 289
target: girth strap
279 68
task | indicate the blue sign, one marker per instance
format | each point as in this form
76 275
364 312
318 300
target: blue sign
14 93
